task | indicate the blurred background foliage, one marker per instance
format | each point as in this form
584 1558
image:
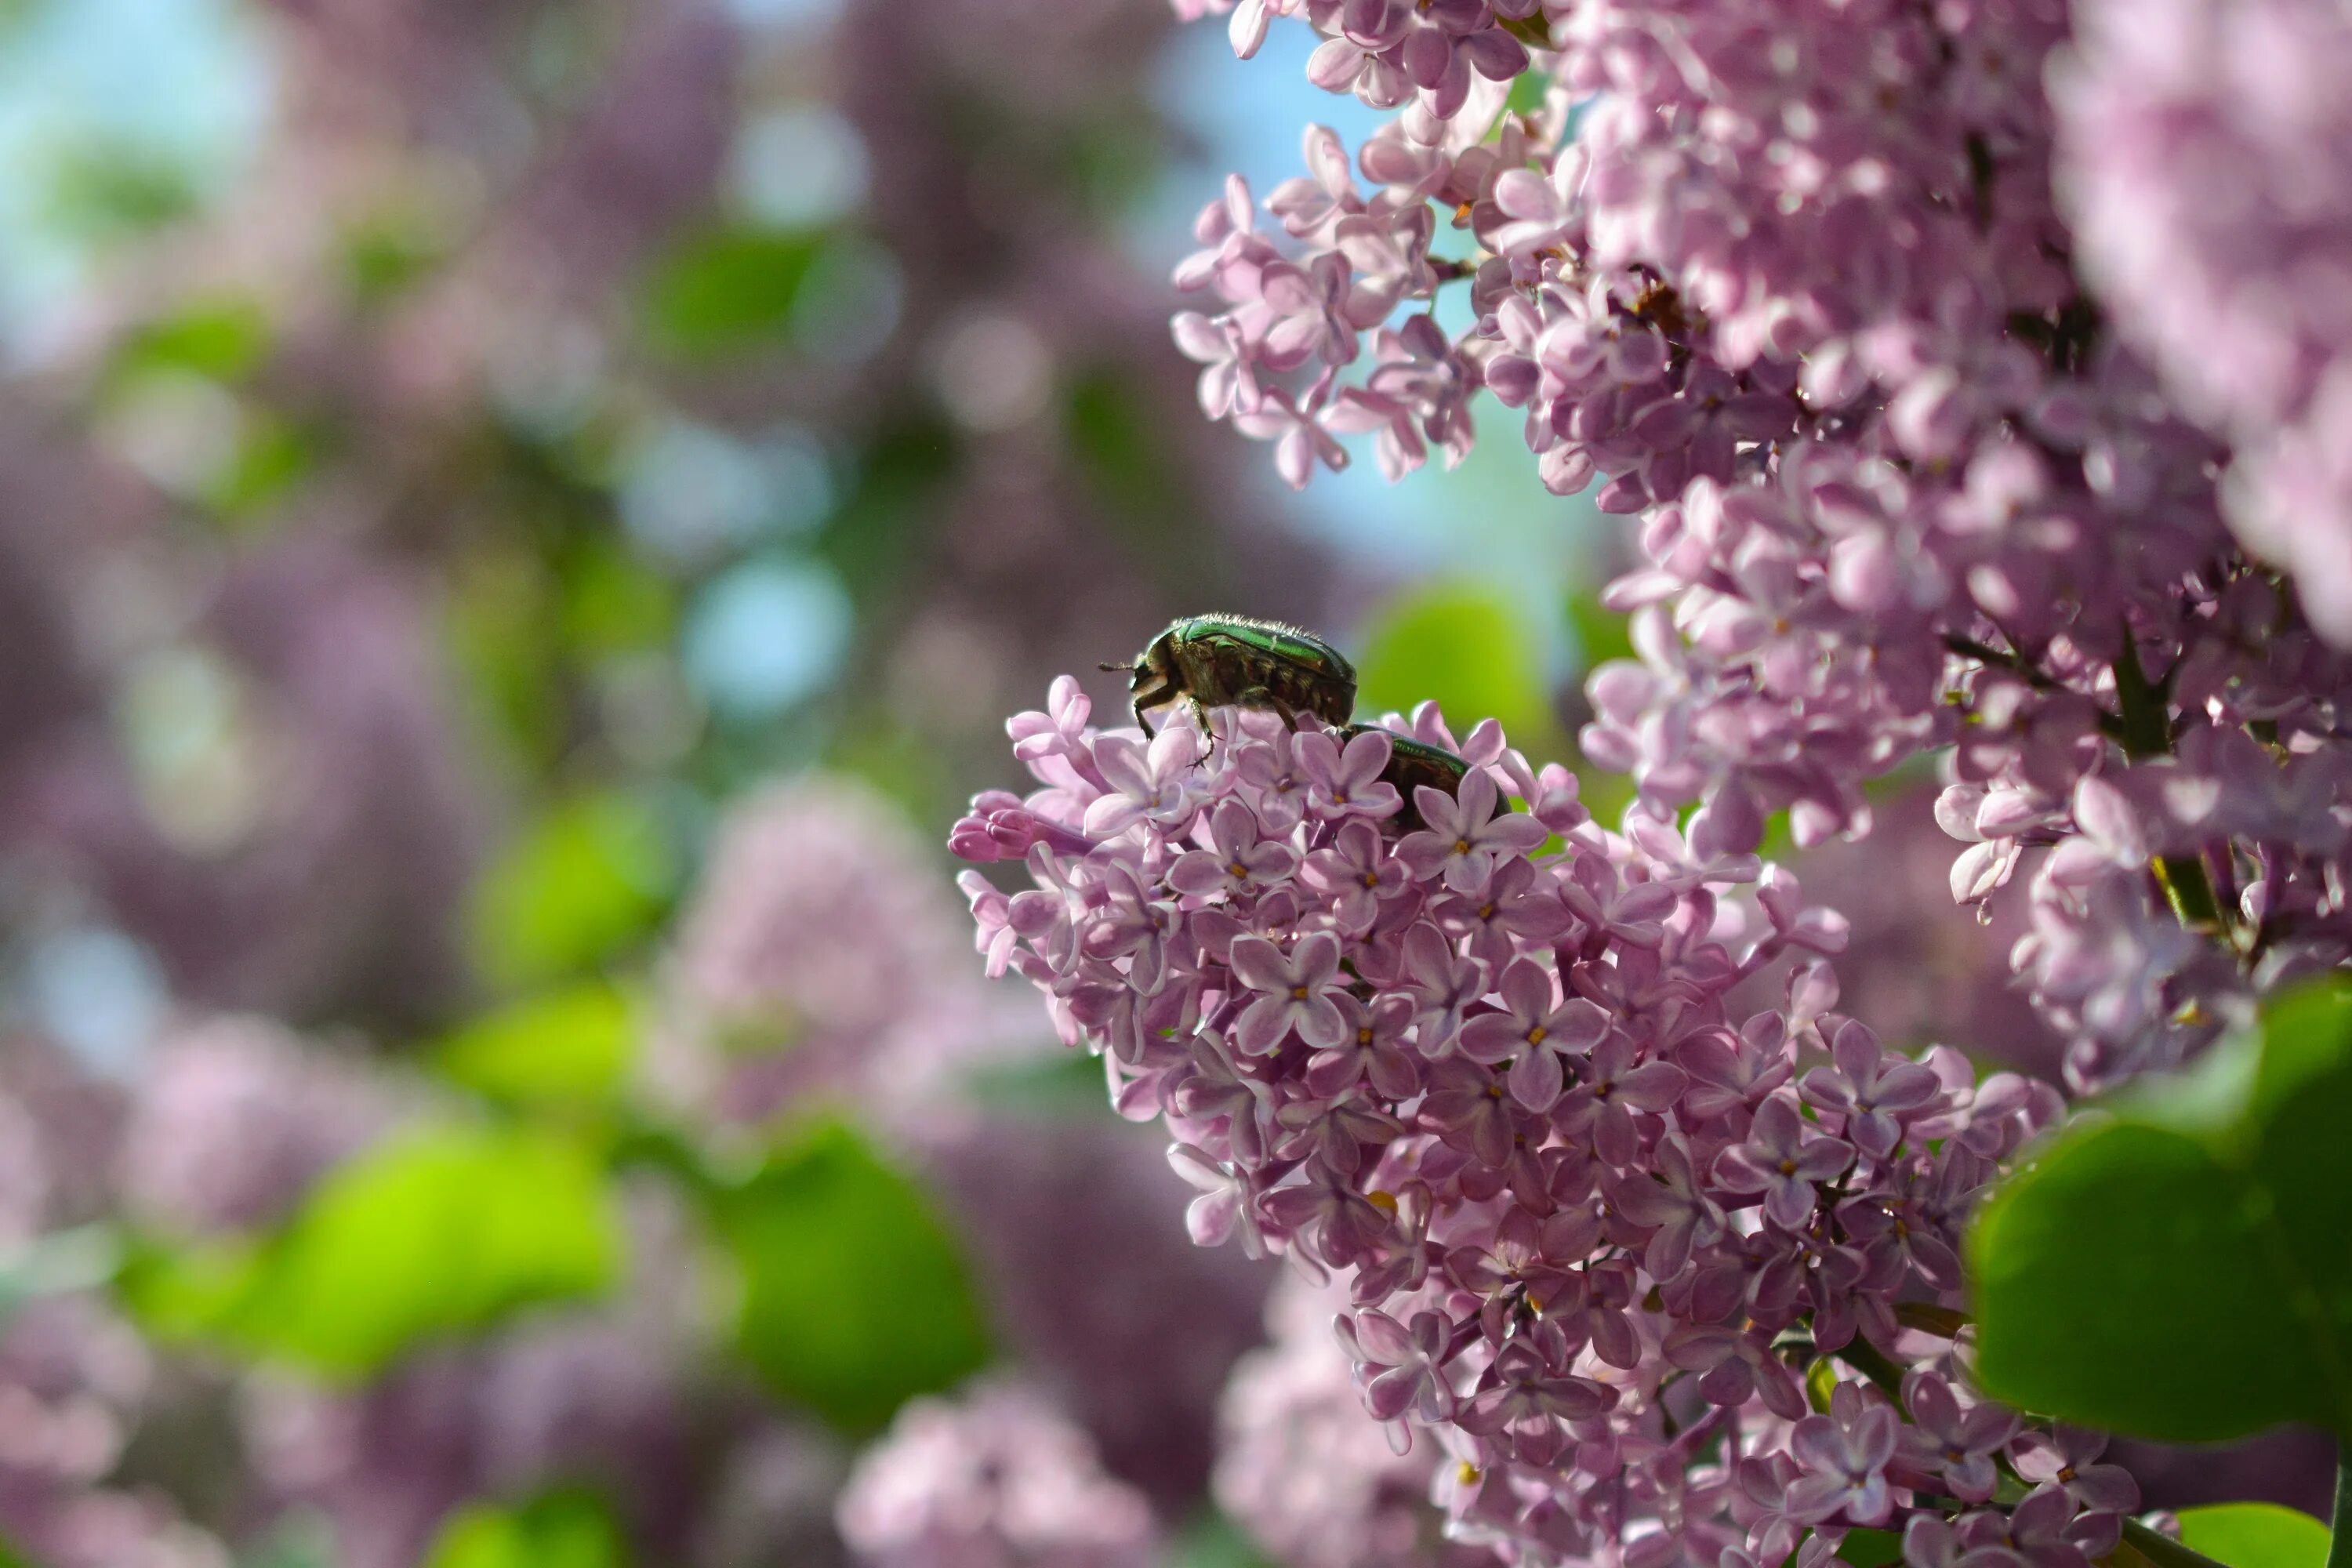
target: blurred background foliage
522 522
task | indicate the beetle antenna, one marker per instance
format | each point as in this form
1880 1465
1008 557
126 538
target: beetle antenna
1117 668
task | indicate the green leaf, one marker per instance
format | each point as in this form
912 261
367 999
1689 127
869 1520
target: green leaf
2254 1535
1213 1541
443 1231
2174 1266
854 1297
730 290
562 1530
1870 1548
222 339
1468 648
572 1047
581 883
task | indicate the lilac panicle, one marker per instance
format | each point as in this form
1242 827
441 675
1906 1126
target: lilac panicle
993 1478
1589 1216
1809 311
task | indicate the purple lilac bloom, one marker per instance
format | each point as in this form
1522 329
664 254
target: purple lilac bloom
1314 1484
235 1118
2205 157
1816 328
819 956
1522 1268
994 1478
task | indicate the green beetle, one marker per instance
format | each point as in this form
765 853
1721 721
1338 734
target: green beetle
1410 765
1219 661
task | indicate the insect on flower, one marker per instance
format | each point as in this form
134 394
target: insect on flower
1219 661
1413 764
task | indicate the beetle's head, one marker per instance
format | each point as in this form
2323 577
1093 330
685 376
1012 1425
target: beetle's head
1152 678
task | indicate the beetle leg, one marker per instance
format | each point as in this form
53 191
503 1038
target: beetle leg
1141 723
1264 697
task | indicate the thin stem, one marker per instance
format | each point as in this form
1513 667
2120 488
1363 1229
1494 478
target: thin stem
1866 1359
2339 1547
2148 733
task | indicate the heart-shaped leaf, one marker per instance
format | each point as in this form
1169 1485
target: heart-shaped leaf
2174 1265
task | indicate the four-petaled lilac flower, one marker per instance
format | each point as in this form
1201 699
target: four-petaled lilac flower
1463 838
1735 1361
1374 1048
1517 906
1953 1444
1535 1030
1673 1199
1610 1088
1872 1091
1403 1369
1155 783
1444 985
1223 1209
1357 872
1781 1160
1239 860
1526 1399
1346 781
1844 1454
1293 992
2064 1456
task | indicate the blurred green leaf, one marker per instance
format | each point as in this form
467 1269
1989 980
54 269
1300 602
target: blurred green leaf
856 1297
589 877
221 339
496 616
1528 90
1213 1541
272 456
730 290
562 1530
11 1558
1602 634
869 536
2175 1266
387 252
301 1540
103 189
2254 1535
614 603
441 1232
1469 648
572 1047
1121 451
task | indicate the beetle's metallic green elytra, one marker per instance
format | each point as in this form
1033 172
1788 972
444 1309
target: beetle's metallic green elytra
1413 764
1217 661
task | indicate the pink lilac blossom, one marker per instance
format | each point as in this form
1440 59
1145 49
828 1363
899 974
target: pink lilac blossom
1594 1283
234 1119
73 1381
993 1478
1074 1233
2205 158
1795 290
1300 1468
818 956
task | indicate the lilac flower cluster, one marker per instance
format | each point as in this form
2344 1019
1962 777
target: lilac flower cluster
1795 289
2205 154
993 1478
1300 1468
1652 1272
